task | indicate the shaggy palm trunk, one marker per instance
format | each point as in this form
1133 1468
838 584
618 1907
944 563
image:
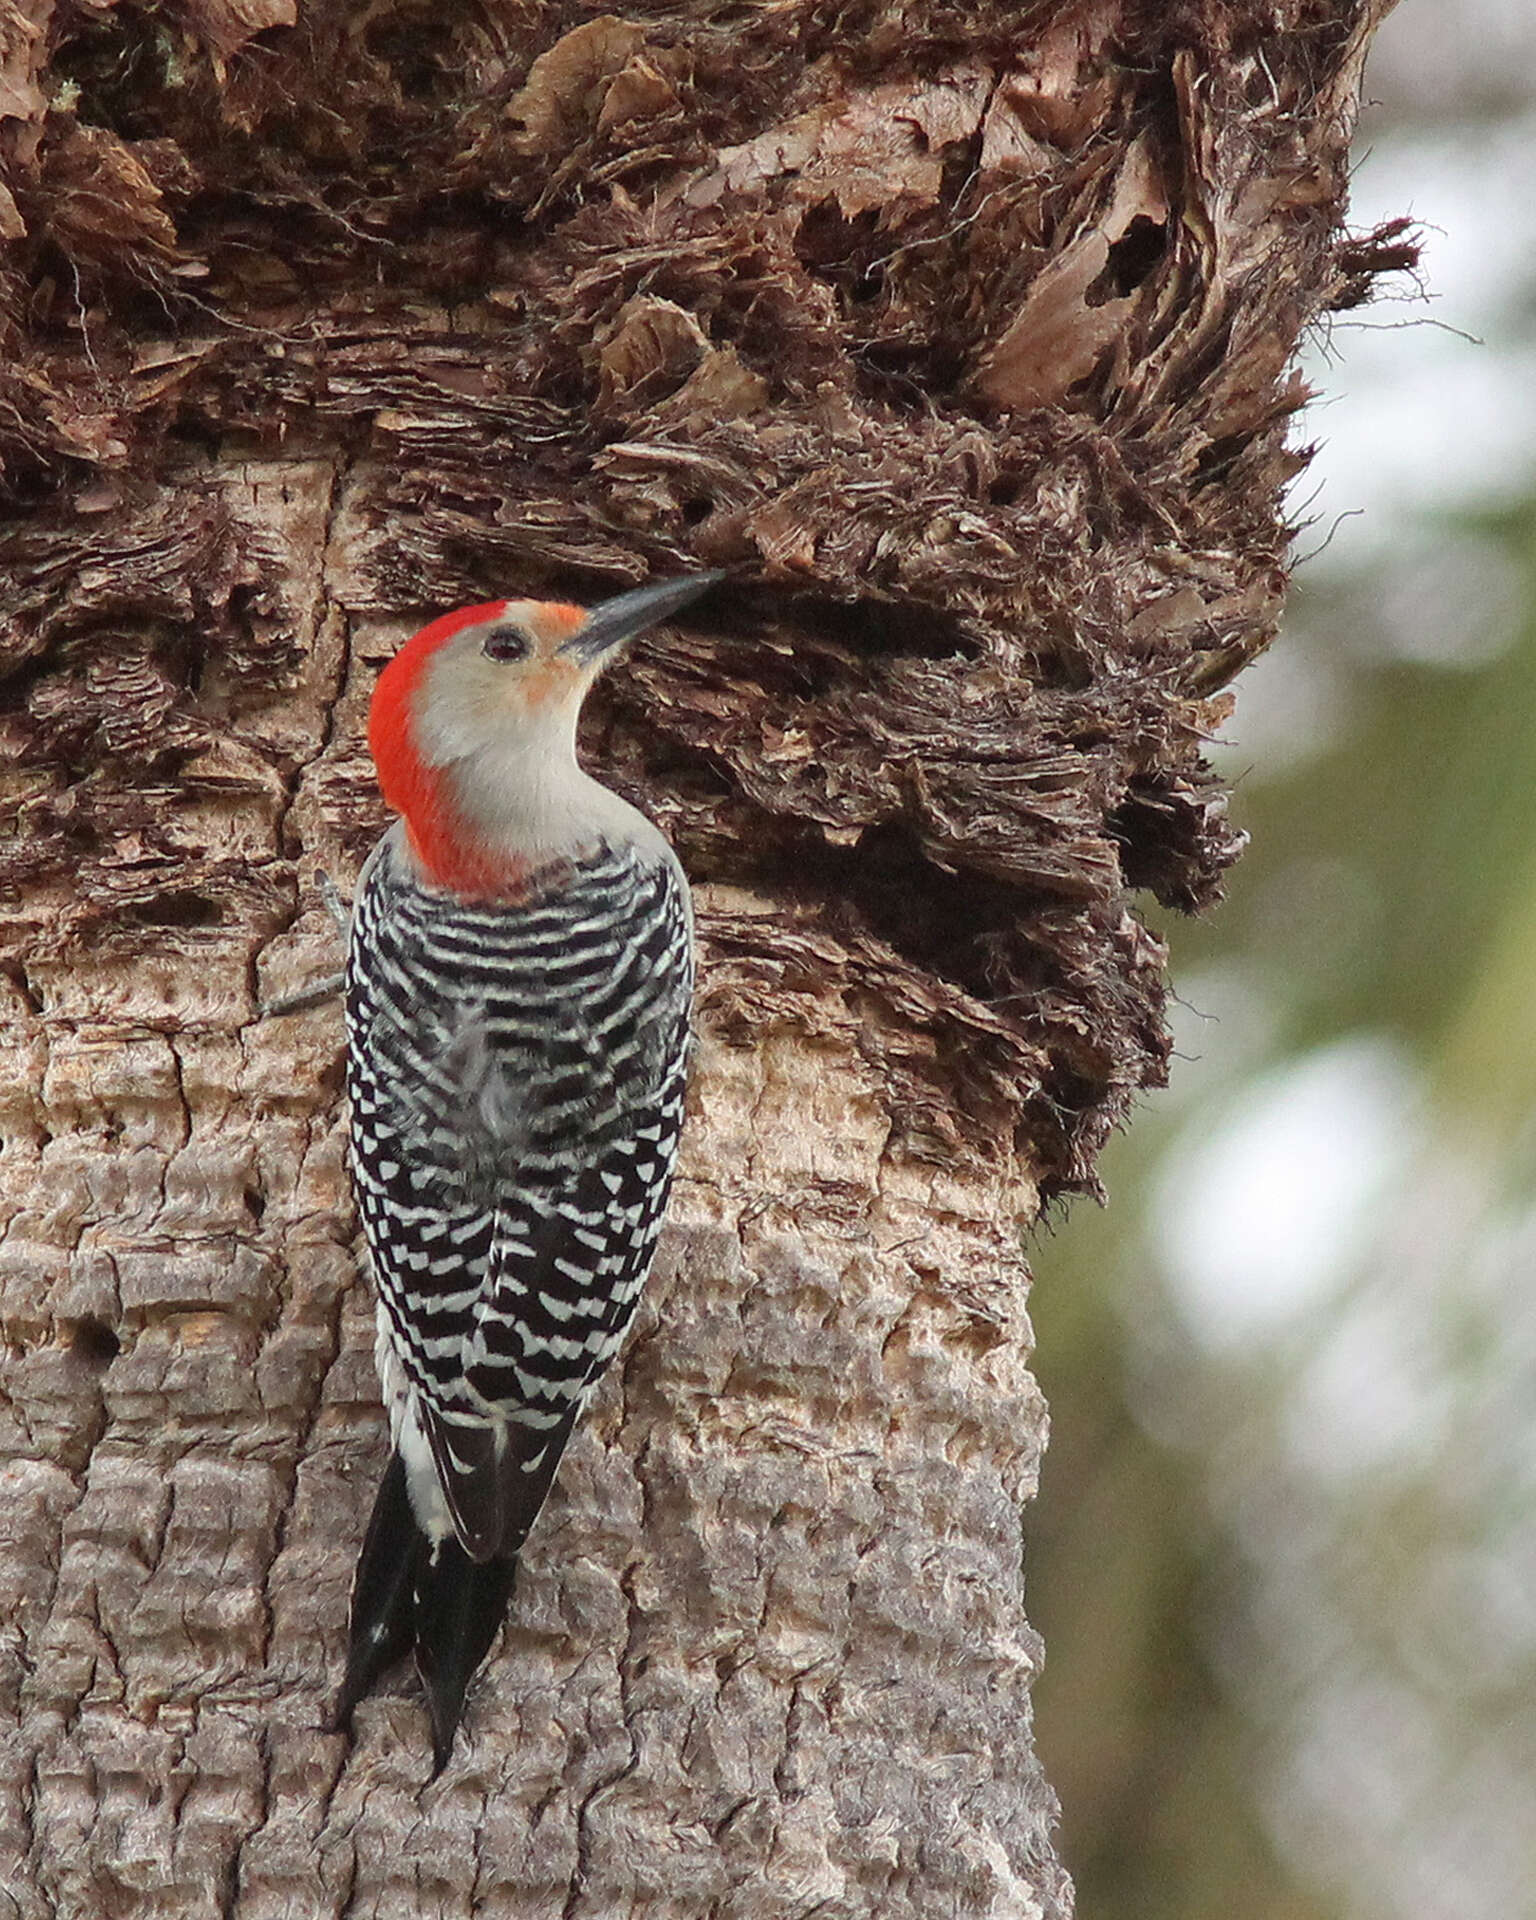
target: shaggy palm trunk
958 335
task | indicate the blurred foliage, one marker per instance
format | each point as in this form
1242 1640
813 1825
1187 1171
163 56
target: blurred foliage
1390 890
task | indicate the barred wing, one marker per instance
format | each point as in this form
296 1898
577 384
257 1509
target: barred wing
517 1076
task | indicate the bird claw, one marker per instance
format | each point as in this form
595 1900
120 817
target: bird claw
338 908
300 999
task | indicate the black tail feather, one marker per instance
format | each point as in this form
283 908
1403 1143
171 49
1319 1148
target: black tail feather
408 1595
460 1604
382 1588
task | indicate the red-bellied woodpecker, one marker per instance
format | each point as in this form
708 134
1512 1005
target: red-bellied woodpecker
518 989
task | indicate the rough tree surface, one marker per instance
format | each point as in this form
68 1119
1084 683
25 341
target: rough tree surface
958 333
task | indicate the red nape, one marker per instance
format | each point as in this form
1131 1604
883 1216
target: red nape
418 792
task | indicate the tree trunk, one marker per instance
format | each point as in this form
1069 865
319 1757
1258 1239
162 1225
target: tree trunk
959 336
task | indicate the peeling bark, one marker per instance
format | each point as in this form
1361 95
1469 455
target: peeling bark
959 336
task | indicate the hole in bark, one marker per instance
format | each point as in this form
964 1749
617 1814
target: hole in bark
1131 258
695 511
1219 456
176 910
193 430
911 370
120 77
961 928
94 1342
875 628
838 247
1159 846
255 1202
16 974
868 285
408 47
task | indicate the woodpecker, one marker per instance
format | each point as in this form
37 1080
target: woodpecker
519 981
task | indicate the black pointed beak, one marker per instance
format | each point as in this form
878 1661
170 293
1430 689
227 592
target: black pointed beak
627 614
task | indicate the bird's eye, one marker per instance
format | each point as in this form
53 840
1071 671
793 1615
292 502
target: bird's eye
506 643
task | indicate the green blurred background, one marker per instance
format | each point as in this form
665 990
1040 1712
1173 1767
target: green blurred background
1284 1557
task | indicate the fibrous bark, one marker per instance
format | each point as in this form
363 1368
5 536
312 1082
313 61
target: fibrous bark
958 334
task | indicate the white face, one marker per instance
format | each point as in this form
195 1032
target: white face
494 711
504 685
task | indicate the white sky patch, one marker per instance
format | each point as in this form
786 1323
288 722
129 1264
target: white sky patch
1425 410
1224 1022
1291 707
1367 1760
1461 437
1456 600
1264 1213
1378 1396
1414 419
1360 1277
1472 1621
1472 56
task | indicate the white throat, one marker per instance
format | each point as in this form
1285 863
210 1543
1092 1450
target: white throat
506 744
519 799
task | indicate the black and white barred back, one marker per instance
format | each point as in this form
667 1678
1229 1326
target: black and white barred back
517 1074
